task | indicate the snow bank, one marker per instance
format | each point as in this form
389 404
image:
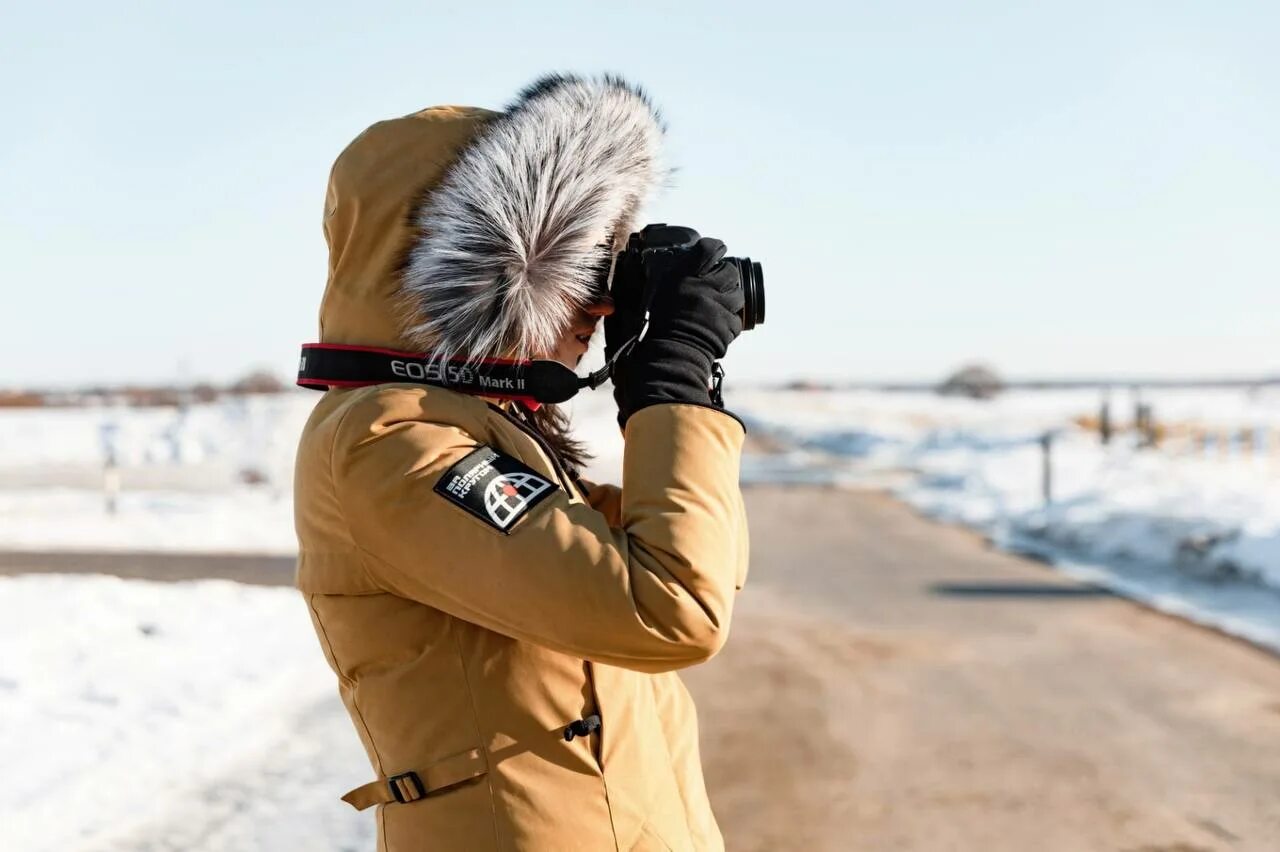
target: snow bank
250 431
119 698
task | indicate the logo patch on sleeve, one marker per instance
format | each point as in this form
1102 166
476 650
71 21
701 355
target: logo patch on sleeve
496 488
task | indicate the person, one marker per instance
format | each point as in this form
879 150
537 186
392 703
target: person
506 635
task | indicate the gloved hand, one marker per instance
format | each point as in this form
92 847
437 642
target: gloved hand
693 319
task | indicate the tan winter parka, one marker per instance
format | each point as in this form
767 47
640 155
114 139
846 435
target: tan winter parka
463 652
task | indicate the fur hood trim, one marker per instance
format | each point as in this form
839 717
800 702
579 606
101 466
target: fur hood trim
523 227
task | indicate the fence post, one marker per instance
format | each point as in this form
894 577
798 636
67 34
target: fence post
107 434
1104 420
1046 468
111 486
1144 425
1140 424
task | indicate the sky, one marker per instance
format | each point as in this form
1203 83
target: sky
1053 189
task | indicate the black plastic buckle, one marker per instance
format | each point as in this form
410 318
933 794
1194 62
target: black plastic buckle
420 790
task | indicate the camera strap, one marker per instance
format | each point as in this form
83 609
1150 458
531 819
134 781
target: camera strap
333 365
337 365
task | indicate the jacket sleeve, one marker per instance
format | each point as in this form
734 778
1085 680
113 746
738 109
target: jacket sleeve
607 500
654 593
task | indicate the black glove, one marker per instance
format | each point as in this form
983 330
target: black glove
693 319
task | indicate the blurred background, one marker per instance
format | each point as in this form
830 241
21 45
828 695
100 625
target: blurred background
1018 392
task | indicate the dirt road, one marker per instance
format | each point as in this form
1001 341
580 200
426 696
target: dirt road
895 685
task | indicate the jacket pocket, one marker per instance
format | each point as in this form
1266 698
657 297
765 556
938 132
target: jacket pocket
650 841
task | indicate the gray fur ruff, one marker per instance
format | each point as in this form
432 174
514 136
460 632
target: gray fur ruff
523 227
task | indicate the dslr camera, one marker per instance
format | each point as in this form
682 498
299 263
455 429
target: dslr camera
656 248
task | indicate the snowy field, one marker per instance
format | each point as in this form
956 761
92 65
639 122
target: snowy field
215 477
153 706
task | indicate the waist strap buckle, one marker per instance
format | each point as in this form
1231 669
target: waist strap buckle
406 787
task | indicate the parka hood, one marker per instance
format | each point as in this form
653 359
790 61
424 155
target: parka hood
463 232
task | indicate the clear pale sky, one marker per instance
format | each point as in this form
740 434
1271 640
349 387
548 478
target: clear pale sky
1074 188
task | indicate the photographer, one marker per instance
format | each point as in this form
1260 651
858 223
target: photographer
506 635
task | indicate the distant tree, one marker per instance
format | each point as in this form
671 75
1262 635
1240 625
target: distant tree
259 381
974 381
204 392
806 385
21 399
139 396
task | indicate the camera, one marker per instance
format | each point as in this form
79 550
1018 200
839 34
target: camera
655 249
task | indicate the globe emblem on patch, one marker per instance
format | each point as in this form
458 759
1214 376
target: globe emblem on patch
510 494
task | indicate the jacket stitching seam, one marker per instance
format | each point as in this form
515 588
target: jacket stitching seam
475 718
377 755
337 495
590 673
671 760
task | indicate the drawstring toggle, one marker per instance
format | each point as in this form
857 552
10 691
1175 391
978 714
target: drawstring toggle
582 727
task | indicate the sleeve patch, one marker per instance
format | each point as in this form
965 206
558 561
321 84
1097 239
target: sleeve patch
494 487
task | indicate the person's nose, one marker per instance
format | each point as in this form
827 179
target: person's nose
600 308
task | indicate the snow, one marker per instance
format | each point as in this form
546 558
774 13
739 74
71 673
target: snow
125 702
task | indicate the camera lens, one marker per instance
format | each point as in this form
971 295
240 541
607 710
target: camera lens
752 277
